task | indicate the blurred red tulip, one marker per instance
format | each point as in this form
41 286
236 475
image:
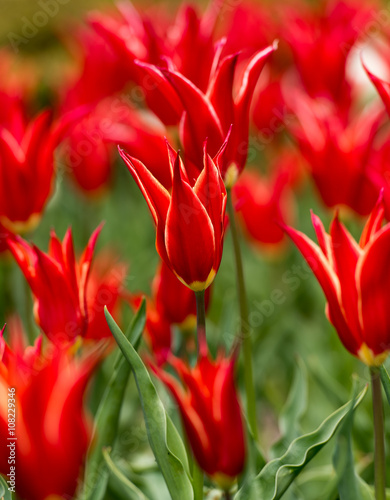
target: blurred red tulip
186 43
327 33
211 115
263 203
190 221
211 414
58 284
355 280
51 426
27 170
338 152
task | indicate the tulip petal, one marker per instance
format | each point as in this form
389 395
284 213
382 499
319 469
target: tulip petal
329 283
346 255
156 196
200 120
220 90
373 278
381 86
160 96
374 222
189 235
211 191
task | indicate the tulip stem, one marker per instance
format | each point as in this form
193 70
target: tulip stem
197 479
201 321
244 336
379 459
227 495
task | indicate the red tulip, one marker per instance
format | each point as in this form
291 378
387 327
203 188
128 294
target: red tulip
190 220
58 284
26 166
355 280
211 414
338 152
187 44
327 33
51 428
213 114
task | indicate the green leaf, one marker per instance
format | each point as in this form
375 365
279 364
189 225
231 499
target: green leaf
107 417
293 410
350 486
5 494
129 489
159 427
277 475
385 382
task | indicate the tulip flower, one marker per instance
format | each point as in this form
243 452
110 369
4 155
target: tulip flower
338 152
187 44
326 32
27 168
218 112
189 220
58 284
27 172
211 413
52 431
354 278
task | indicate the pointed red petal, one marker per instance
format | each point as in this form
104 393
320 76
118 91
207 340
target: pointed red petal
156 196
373 276
346 255
160 96
381 86
200 120
374 222
189 235
220 91
329 283
211 191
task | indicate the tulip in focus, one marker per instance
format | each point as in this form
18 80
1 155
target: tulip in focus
211 413
51 425
58 283
355 280
189 220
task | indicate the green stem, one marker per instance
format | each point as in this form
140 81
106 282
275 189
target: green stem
227 495
245 333
380 458
200 321
197 478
